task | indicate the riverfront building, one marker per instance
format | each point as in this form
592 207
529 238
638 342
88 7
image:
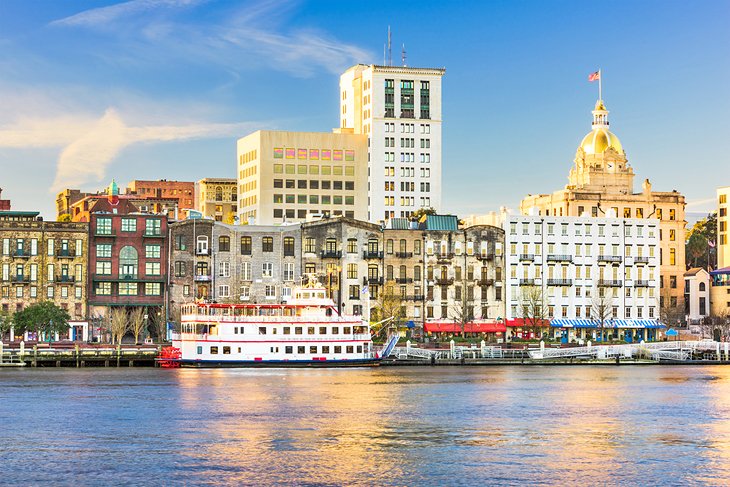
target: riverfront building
720 290
398 108
578 273
217 198
602 181
291 176
44 261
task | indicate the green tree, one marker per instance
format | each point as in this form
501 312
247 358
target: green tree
698 249
65 218
423 211
42 318
6 322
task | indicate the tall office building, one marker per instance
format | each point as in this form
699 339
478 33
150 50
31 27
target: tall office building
399 109
723 227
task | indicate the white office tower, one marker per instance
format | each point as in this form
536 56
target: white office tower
399 109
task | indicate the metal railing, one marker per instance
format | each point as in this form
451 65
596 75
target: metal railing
609 258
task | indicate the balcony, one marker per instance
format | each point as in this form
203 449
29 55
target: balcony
559 258
372 280
20 279
153 235
203 278
444 281
485 256
404 280
404 255
65 278
641 283
330 254
485 282
372 254
108 234
444 257
641 260
560 282
527 257
614 259
415 297
22 254
65 254
527 282
609 283
205 251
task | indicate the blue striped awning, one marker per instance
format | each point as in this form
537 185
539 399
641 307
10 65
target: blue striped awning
615 323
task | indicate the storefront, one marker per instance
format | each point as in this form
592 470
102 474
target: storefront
629 331
524 329
490 331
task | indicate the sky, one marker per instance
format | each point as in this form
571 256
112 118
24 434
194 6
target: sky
146 89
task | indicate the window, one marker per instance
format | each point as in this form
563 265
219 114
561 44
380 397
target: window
103 251
224 243
288 271
152 251
152 288
224 291
351 245
267 244
180 242
103 289
103 226
153 226
245 245
152 268
224 269
180 269
288 246
129 224
267 269
128 263
127 288
103 268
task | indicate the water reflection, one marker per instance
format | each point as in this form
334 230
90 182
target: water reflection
406 426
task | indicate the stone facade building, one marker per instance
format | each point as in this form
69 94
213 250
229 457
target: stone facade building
217 198
233 263
43 261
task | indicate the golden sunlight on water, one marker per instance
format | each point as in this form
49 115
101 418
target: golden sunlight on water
606 425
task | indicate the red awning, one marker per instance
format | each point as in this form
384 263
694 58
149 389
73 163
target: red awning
521 323
471 327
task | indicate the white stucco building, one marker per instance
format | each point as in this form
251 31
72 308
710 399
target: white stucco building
696 295
399 109
579 263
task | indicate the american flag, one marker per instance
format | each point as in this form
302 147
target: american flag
594 76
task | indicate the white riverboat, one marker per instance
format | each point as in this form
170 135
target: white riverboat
307 331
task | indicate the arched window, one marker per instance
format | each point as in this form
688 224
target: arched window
224 244
702 286
128 263
218 193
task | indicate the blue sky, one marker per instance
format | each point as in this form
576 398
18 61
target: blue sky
148 89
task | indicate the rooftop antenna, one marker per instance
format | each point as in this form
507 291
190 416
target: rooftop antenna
403 55
390 49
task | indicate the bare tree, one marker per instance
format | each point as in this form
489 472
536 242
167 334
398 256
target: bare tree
533 307
119 324
159 325
720 323
389 304
137 322
602 309
670 312
461 310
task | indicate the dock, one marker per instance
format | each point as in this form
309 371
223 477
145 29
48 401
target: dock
77 355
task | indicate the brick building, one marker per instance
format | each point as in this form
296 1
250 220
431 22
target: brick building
4 204
182 191
128 258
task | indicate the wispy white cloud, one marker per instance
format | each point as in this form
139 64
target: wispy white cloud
103 16
88 146
704 203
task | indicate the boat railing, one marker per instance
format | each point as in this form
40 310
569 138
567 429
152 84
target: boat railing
264 338
275 319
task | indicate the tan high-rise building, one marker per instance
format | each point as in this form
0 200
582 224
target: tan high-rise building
217 198
286 176
601 183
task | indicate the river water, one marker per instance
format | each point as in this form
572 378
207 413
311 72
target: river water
627 425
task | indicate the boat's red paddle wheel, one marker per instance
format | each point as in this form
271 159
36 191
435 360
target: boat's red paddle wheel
169 357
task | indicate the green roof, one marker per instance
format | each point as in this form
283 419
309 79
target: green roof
399 224
442 223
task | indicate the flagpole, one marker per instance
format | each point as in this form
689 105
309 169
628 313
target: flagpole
600 80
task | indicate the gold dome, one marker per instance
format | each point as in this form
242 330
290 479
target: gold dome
598 140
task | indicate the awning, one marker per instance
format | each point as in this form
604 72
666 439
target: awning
585 323
471 327
522 323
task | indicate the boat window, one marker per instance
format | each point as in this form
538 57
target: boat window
287 330
226 350
214 350
322 330
262 330
338 349
359 349
289 349
325 349
335 330
235 330
298 330
300 349
239 349
310 330
313 349
346 330
273 331
349 349
200 349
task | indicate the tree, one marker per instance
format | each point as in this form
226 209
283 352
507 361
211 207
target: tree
42 318
230 218
119 324
137 322
419 213
532 307
700 237
65 218
389 304
670 312
6 322
720 323
159 325
461 310
601 310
